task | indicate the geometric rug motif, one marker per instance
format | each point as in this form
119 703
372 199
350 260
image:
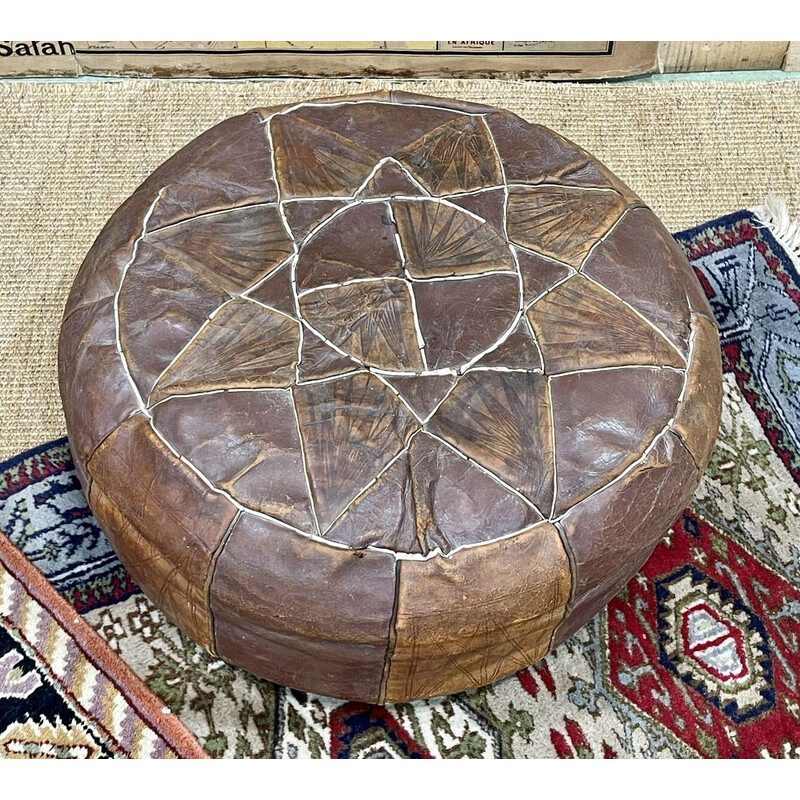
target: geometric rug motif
705 639
754 291
43 511
698 656
715 644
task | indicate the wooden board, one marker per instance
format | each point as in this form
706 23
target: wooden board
723 56
792 61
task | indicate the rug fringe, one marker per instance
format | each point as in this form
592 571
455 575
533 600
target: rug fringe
774 214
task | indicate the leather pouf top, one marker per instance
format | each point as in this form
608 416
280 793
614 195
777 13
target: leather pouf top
383 397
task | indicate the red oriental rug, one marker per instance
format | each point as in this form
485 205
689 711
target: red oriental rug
699 656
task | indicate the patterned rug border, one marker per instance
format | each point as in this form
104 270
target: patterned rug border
698 242
99 654
108 582
18 459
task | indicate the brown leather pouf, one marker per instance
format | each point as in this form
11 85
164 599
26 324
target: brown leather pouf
383 397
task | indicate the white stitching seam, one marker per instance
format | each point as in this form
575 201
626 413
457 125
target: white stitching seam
124 274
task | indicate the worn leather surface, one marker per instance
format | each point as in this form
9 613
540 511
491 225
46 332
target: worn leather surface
303 612
382 397
163 520
616 530
697 416
93 377
480 615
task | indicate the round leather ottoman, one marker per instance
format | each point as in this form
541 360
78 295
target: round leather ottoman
383 397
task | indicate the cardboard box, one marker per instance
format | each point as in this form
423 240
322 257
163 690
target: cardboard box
473 59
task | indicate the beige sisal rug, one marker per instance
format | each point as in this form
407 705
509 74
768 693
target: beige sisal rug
71 152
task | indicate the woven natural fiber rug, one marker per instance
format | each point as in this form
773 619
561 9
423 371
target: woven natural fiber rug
63 692
73 151
699 656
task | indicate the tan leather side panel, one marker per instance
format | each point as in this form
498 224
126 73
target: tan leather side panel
697 417
478 615
161 519
612 533
302 613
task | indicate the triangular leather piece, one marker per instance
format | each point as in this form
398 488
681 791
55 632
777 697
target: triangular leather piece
304 216
383 128
501 420
312 161
422 392
383 516
456 502
319 360
491 205
431 497
643 264
163 302
535 154
246 443
441 241
538 274
351 427
390 179
226 166
455 157
276 291
234 247
374 321
243 346
519 351
562 222
580 325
